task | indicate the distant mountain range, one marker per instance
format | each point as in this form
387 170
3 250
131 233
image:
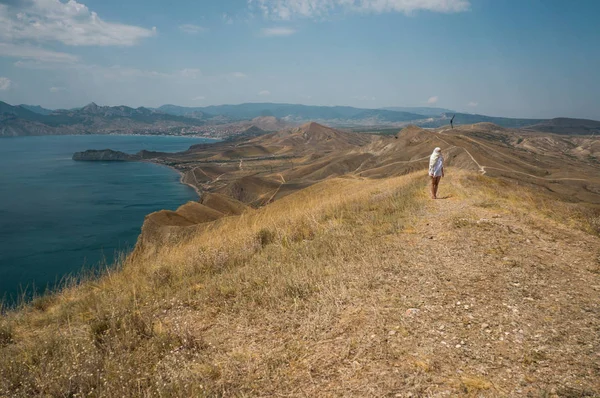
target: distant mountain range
467 118
91 119
426 111
292 112
37 109
231 120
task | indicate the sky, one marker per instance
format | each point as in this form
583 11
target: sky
514 58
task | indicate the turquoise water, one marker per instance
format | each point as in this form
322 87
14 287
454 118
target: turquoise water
58 216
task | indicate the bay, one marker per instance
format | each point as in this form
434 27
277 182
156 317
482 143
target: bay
58 216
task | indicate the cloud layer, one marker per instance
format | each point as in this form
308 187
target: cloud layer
289 9
34 53
70 23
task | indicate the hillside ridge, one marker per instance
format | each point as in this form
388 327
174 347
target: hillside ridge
350 287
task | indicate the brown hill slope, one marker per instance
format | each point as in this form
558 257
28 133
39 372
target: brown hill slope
568 126
351 287
259 170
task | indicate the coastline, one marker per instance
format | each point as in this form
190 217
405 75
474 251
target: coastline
181 175
181 180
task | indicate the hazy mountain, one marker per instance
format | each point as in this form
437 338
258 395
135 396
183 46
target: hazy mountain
568 126
294 112
427 111
227 120
91 119
467 118
383 116
37 109
195 112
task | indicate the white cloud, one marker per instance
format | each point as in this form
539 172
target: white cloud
433 100
191 29
5 83
57 89
70 23
35 53
190 73
264 93
288 9
473 104
270 32
199 98
239 75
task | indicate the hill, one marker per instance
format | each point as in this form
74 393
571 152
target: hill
230 121
568 126
37 109
91 119
314 264
294 112
467 118
351 287
258 170
426 111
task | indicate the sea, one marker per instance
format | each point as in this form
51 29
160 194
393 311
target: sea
60 218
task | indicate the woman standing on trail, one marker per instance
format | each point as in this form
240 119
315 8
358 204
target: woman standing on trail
436 170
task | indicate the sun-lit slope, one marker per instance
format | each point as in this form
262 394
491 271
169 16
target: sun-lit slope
350 287
313 138
567 166
224 204
264 169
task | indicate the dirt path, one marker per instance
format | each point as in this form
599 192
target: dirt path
277 190
504 302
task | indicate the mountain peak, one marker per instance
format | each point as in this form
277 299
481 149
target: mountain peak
314 128
91 107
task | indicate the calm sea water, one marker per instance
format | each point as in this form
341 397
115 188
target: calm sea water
58 216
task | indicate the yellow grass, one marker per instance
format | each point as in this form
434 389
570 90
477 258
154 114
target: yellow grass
289 299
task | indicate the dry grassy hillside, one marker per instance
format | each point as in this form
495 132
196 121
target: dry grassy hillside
350 287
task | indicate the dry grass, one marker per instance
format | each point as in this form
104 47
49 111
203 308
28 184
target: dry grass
305 297
136 330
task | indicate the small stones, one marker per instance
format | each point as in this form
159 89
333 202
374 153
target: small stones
411 312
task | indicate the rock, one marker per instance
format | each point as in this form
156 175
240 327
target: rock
104 155
392 332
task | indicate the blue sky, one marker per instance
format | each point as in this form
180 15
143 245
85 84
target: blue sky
533 58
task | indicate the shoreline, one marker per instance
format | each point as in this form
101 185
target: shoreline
181 175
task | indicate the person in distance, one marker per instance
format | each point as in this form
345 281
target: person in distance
436 170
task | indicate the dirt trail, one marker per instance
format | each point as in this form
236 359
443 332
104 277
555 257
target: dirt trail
504 301
278 188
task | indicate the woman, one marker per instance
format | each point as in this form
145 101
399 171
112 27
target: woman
436 170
